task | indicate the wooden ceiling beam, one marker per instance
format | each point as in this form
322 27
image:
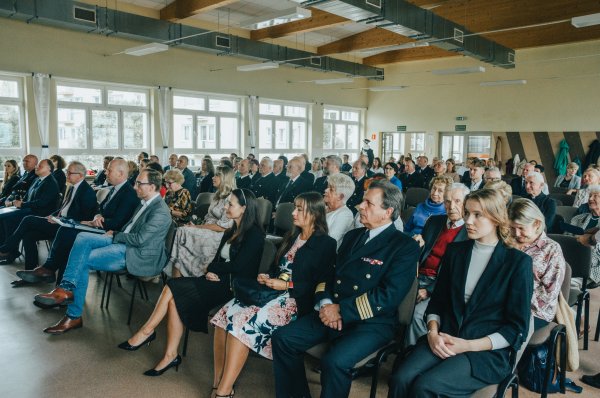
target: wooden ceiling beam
373 38
413 54
318 20
181 9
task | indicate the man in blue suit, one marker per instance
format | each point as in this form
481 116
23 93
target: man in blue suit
113 214
78 204
357 305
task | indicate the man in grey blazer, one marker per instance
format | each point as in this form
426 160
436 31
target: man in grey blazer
140 248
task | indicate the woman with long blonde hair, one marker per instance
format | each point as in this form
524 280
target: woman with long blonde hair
196 245
479 310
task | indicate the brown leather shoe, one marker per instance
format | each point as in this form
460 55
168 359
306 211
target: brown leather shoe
55 297
39 274
64 325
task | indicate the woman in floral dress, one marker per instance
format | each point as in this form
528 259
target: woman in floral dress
178 198
306 257
196 245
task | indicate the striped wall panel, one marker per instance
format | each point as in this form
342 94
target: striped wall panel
543 146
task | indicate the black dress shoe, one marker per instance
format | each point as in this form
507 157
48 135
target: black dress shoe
174 363
128 347
20 283
592 380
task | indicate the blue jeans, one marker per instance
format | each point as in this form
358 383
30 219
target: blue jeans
90 252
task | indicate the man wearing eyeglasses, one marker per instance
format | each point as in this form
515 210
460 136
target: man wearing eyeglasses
78 204
492 174
113 213
141 246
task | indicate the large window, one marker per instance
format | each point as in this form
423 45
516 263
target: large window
205 125
282 128
96 120
12 145
341 130
460 146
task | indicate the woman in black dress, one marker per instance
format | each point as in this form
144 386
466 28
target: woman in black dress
187 301
11 176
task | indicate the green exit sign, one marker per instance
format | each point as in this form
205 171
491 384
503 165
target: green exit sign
400 128
460 127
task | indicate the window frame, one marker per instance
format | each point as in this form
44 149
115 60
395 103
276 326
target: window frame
289 120
346 123
20 102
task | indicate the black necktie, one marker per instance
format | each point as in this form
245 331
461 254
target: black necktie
361 241
67 199
110 194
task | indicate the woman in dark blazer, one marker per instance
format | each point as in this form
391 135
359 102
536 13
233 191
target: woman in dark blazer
187 301
479 310
59 175
306 257
11 177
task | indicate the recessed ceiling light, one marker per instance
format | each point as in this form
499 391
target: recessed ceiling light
260 66
146 49
586 20
459 71
341 80
503 83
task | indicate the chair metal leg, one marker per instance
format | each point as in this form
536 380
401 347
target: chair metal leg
104 291
515 387
586 320
563 361
143 287
131 303
597 335
185 341
110 281
119 281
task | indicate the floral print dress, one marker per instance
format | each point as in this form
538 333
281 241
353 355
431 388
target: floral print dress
253 325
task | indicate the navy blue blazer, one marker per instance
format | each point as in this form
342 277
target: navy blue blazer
287 193
84 205
61 180
501 302
266 187
42 199
120 209
370 282
320 185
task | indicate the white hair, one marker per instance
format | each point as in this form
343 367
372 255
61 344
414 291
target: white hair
457 185
537 177
342 184
268 160
593 189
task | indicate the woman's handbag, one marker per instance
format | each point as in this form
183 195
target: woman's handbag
532 369
250 292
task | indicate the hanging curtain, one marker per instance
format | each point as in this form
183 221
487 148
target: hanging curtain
41 98
253 120
498 153
562 159
164 116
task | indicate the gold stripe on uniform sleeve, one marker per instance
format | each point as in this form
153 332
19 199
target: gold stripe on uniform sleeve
364 307
320 287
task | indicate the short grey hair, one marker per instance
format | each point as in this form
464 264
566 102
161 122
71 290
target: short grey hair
336 159
269 161
460 186
537 177
593 189
523 211
392 196
78 167
342 184
494 170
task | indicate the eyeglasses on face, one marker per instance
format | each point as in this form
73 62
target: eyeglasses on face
71 173
140 183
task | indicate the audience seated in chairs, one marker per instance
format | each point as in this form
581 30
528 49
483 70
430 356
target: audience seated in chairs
204 178
471 333
266 187
59 175
305 258
178 198
398 223
244 180
357 305
518 184
332 167
295 185
196 245
569 181
476 171
190 178
439 231
527 229
433 205
187 301
339 217
534 184
78 204
42 199
410 178
451 170
114 212
359 175
390 170
172 163
502 187
140 248
12 174
100 179
590 177
589 223
20 188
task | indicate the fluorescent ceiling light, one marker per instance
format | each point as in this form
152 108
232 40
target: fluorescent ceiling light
146 49
335 81
503 83
255 67
387 88
278 18
459 71
586 20
404 46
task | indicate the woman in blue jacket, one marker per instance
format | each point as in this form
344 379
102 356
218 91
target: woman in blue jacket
433 206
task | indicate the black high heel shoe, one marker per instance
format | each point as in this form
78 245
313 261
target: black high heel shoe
128 347
174 363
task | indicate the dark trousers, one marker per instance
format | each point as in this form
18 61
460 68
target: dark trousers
30 230
422 374
348 346
60 250
10 221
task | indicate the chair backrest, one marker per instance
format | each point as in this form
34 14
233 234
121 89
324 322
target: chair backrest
268 257
204 198
567 212
576 254
566 285
407 306
555 227
566 200
265 209
515 197
558 202
407 214
101 194
201 210
414 196
283 221
170 238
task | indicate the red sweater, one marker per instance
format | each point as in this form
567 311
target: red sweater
432 262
